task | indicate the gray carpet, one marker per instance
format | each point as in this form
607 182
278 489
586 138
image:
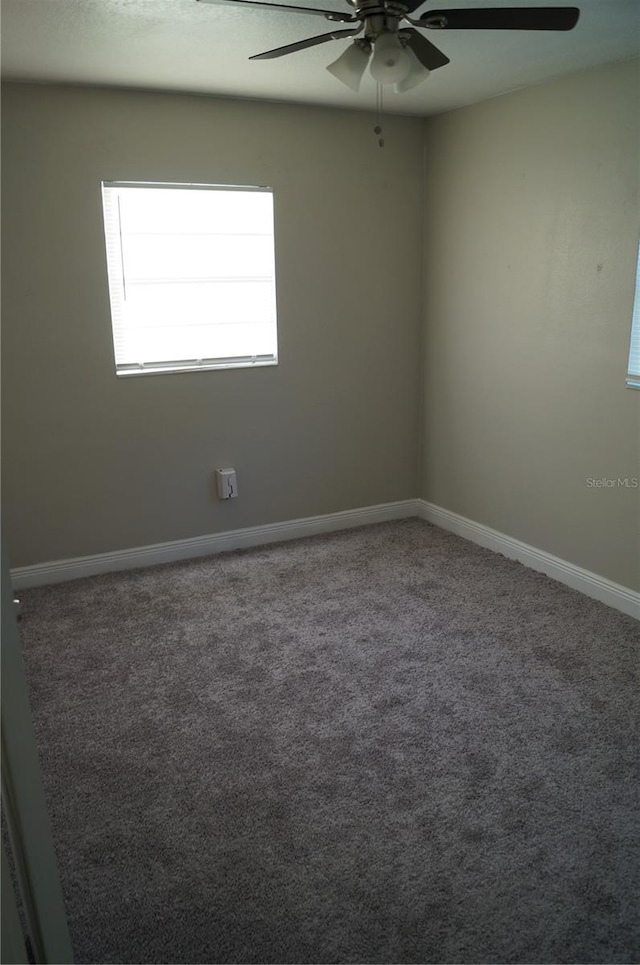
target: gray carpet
382 745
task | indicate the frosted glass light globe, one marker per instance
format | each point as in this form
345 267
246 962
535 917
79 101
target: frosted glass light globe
416 74
351 65
390 63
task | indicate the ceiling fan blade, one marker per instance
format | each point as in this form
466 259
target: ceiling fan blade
412 5
302 44
335 15
428 55
502 18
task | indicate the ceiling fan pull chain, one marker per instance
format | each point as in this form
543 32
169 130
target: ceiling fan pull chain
379 107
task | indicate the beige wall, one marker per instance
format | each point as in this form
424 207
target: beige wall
530 232
92 463
531 228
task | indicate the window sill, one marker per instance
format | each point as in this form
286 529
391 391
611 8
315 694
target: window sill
168 368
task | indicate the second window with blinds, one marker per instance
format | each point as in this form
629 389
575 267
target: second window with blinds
191 276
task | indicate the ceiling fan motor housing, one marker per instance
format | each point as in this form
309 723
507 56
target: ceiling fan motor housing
379 17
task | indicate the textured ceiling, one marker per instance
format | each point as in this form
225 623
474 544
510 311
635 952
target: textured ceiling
183 45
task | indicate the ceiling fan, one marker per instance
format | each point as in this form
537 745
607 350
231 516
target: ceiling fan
402 56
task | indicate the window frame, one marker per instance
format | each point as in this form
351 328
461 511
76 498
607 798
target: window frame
116 285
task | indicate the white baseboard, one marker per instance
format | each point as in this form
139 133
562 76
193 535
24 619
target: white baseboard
59 571
597 587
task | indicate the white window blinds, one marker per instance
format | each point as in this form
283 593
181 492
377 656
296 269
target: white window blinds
633 369
191 276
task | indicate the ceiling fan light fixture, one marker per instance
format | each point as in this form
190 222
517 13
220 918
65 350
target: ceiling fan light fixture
351 65
417 74
390 63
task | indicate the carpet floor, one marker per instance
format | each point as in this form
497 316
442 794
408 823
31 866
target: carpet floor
386 745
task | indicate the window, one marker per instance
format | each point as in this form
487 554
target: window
633 369
191 276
